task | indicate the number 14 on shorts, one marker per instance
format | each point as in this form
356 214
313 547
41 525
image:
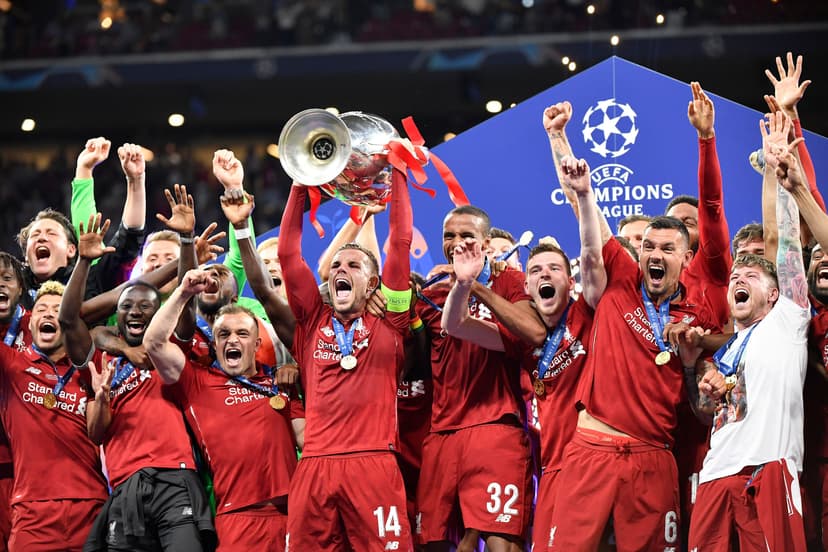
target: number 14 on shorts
387 524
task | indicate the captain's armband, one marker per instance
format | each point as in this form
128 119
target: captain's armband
398 301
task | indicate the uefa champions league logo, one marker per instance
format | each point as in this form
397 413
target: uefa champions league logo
610 131
609 128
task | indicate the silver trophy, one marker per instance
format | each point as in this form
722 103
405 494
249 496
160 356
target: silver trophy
345 155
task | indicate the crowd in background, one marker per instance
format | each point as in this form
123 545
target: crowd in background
29 188
60 28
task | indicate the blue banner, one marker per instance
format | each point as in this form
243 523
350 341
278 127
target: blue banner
628 122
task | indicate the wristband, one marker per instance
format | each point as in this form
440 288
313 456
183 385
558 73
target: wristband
242 233
416 325
187 241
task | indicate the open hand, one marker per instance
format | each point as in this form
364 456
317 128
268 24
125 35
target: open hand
90 242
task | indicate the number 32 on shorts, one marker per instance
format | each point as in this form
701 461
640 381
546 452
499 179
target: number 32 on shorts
501 501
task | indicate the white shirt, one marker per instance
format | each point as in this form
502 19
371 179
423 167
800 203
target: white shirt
763 421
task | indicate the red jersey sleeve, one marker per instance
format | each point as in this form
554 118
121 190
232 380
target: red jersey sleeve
396 271
302 292
618 263
714 235
807 165
397 267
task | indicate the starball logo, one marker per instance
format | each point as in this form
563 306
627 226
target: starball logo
610 130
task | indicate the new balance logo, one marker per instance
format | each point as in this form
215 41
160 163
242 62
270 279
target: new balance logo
33 370
187 511
552 536
504 518
392 545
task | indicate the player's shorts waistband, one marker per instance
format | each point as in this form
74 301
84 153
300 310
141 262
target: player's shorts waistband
599 440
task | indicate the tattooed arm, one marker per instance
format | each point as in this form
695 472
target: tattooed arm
789 264
555 118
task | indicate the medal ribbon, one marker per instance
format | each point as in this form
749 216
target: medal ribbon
511 252
718 357
123 369
483 278
272 391
660 319
345 340
62 380
205 328
11 334
553 340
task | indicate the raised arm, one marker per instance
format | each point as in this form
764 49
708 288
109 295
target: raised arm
94 152
593 273
714 235
167 357
135 170
811 212
114 269
456 320
278 311
77 339
396 271
303 295
555 118
769 229
364 234
779 155
787 93
182 220
229 171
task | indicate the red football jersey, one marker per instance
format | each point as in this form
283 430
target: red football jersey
472 385
147 429
816 390
355 409
20 340
414 410
623 386
249 445
557 411
349 410
52 454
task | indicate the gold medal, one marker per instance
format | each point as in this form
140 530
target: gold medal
49 400
348 362
730 382
540 388
277 402
662 358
